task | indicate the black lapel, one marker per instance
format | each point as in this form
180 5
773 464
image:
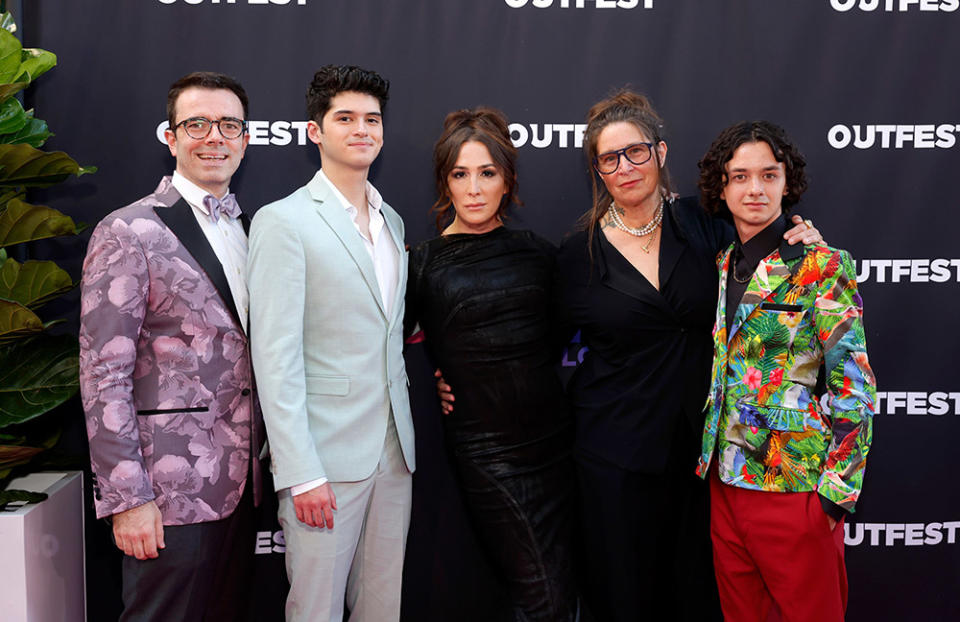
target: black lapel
625 278
790 254
672 244
245 221
180 219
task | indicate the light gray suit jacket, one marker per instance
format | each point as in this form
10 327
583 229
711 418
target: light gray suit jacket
328 361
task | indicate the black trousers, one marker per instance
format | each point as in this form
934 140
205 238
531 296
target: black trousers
204 574
646 544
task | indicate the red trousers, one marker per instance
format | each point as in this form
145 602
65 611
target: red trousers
776 547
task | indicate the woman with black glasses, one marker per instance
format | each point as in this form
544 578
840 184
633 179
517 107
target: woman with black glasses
640 283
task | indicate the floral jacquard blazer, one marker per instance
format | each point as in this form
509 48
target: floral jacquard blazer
165 371
800 318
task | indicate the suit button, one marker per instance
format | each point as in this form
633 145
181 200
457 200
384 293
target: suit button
98 496
245 392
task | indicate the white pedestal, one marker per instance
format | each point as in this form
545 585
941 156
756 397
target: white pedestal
41 552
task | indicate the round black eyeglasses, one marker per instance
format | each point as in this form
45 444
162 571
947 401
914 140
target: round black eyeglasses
199 127
636 154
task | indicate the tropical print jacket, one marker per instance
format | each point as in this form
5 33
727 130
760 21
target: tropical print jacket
800 317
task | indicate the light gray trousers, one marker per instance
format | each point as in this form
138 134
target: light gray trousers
360 561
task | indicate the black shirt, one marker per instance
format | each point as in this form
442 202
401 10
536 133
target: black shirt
746 257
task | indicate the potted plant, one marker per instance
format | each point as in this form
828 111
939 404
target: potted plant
38 369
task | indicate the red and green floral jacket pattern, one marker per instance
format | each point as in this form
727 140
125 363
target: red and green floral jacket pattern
800 314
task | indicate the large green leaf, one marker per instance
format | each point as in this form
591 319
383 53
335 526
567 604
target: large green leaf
16 321
12 116
13 496
32 283
10 55
37 62
37 375
23 222
34 133
12 88
9 193
22 165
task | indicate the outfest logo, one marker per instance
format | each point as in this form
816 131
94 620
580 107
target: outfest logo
278 133
537 135
917 403
939 270
889 136
902 534
543 135
896 6
268 542
580 4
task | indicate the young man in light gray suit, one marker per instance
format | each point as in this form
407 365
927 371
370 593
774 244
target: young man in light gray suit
327 272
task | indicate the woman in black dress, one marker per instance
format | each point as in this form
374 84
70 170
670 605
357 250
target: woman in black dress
640 283
482 294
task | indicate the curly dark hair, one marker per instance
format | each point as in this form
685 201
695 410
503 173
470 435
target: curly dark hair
203 80
487 126
713 173
331 80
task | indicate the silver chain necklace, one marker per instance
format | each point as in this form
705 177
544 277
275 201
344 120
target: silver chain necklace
647 229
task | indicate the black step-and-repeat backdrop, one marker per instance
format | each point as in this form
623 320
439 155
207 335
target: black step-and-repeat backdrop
868 87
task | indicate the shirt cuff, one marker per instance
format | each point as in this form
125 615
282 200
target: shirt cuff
299 489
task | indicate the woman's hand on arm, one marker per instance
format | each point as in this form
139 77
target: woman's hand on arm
444 392
803 231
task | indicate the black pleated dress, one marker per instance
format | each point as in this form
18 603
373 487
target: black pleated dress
484 302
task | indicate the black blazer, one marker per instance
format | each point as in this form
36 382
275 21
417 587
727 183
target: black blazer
638 396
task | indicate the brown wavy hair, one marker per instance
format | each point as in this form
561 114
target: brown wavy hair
624 105
713 172
487 126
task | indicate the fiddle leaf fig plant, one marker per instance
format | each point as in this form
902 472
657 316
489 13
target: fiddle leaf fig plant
38 370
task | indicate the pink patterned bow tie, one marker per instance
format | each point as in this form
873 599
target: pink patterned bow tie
227 206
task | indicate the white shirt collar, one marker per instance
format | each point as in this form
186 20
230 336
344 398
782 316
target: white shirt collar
191 192
374 200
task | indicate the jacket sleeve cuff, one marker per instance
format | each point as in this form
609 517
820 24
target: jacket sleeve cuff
833 510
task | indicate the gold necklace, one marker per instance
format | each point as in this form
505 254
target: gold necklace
646 247
733 271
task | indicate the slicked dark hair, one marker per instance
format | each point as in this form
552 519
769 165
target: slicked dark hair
203 80
487 126
331 80
713 171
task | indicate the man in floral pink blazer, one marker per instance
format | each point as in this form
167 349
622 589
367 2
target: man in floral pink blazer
172 418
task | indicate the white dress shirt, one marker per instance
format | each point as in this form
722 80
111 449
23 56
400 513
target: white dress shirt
386 263
226 238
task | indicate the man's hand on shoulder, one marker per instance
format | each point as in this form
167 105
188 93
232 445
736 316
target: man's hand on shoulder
138 531
315 507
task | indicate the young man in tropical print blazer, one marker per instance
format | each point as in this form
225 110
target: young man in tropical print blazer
789 466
